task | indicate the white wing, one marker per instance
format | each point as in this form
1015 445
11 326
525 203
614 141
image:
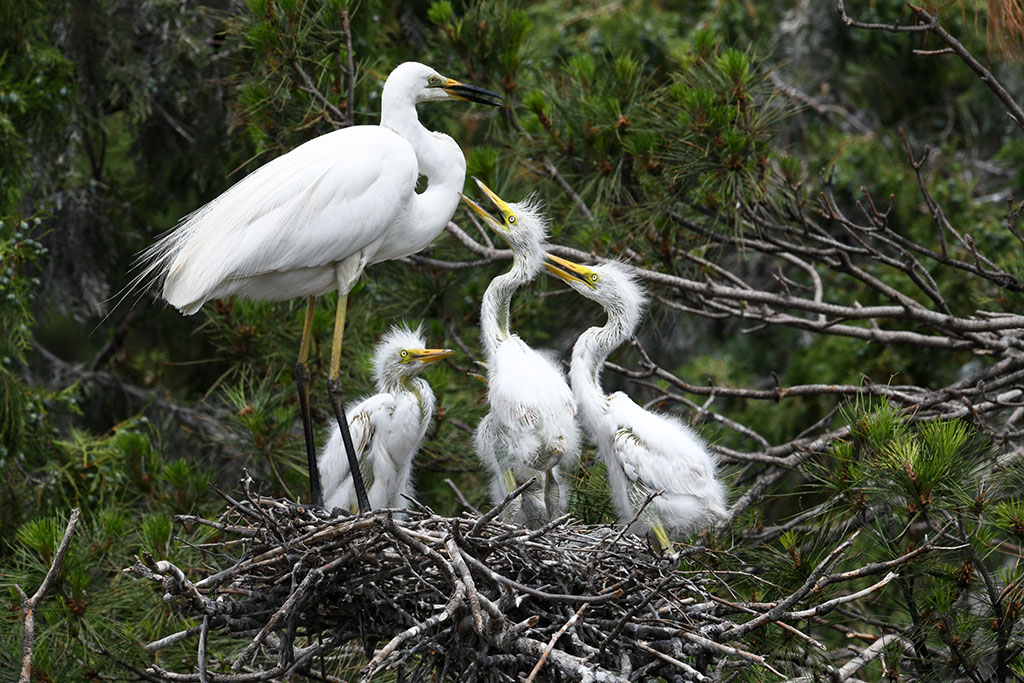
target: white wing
657 452
400 430
322 202
533 404
335 475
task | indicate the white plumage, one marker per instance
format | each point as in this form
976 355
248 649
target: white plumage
312 220
531 429
387 428
645 452
309 221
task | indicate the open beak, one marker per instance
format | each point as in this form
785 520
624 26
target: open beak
570 271
471 93
500 204
427 355
481 212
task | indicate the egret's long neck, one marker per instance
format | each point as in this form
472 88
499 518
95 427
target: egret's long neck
432 150
497 299
441 161
588 356
398 112
430 210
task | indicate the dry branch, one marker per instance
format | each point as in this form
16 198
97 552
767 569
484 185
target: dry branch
476 597
29 605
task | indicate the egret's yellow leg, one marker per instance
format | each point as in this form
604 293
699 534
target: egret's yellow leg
515 506
316 495
339 330
334 393
307 330
510 480
661 537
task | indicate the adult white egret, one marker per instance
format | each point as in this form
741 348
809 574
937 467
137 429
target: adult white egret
531 428
387 428
644 452
311 220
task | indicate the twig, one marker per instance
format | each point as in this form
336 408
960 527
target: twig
497 509
28 605
201 652
824 607
869 653
460 497
785 604
554 639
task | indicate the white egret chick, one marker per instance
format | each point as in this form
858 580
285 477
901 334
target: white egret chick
387 428
645 452
309 221
531 428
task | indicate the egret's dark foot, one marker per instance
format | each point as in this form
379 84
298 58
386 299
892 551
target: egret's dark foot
334 393
552 495
534 513
316 492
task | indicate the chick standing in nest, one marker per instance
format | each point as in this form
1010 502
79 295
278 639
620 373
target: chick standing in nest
387 428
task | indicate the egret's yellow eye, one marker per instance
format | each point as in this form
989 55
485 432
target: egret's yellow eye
594 277
404 353
511 220
433 80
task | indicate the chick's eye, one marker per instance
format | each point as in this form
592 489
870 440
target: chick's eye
593 277
511 220
404 354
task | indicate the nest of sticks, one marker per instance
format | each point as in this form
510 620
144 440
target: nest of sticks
469 598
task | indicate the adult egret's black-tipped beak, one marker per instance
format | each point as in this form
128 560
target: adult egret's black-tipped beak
427 355
471 93
570 271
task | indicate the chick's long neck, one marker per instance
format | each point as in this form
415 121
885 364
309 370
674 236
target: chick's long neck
588 355
497 299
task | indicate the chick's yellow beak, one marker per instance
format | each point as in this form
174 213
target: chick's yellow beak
426 355
491 222
499 203
570 271
508 216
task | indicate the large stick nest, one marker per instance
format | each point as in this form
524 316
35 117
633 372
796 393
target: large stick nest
468 598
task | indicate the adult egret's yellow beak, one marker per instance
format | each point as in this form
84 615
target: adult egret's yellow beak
426 355
508 216
470 93
570 271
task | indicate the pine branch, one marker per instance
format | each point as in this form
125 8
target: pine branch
29 605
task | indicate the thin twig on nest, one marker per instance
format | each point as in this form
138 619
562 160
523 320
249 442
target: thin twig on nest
472 597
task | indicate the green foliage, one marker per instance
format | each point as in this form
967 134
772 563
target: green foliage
35 90
41 536
488 35
19 253
91 615
117 118
902 482
719 122
263 415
